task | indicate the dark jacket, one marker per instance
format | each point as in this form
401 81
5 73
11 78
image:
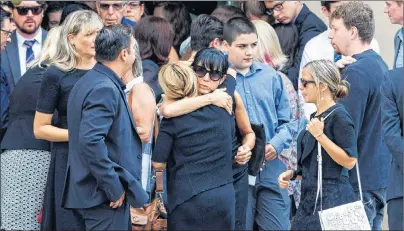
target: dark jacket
392 121
10 62
105 151
150 76
309 26
339 128
4 102
364 103
20 132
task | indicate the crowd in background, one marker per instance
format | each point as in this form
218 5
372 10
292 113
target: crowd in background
96 95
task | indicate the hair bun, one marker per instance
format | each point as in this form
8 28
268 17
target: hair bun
342 91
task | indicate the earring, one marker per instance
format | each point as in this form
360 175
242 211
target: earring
322 97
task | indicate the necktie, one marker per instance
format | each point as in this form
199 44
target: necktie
30 53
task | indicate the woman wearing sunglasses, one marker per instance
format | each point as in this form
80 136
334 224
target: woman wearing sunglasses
197 147
333 128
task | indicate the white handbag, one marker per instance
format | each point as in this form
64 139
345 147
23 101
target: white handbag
351 216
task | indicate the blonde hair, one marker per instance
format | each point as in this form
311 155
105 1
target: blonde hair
325 71
49 48
137 67
269 49
85 21
178 80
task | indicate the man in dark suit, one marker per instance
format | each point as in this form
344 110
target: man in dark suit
308 26
105 152
26 41
392 120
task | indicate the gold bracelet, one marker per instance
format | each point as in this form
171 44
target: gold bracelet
319 135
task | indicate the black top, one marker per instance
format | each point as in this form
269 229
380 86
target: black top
55 90
20 132
198 150
339 128
150 76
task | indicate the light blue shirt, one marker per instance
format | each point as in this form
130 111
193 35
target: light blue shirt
399 58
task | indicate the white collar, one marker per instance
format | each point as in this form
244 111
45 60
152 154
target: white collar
38 37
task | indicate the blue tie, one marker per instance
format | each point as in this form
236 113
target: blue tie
30 53
337 57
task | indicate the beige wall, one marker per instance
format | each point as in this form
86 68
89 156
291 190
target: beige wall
384 33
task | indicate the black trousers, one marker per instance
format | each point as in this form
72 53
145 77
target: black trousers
103 217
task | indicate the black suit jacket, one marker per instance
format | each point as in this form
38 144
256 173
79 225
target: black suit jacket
10 62
392 120
308 26
105 151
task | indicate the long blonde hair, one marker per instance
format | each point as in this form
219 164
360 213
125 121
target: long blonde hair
49 48
178 80
269 49
85 21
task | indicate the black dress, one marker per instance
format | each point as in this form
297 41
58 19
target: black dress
198 150
53 95
336 187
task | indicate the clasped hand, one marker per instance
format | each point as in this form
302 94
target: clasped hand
315 127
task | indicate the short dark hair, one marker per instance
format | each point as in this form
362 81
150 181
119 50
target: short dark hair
176 13
226 12
111 41
54 6
212 59
327 4
9 4
155 37
237 26
205 29
4 15
72 8
42 3
357 14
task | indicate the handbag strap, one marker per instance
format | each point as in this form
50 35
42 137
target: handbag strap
159 181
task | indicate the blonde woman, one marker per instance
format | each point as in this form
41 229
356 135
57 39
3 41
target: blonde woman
269 52
25 161
333 128
197 148
74 57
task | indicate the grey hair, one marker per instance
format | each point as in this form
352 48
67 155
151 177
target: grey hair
137 67
357 14
326 72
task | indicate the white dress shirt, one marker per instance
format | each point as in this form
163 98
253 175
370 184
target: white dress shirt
22 49
318 48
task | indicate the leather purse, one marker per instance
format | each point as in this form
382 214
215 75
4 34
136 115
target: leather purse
258 153
152 216
351 216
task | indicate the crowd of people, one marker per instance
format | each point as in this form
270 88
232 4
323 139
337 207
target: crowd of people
96 95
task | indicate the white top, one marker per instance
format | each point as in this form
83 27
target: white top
22 49
318 48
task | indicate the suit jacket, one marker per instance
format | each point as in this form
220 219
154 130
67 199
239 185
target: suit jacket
308 26
10 62
4 102
397 46
392 119
105 151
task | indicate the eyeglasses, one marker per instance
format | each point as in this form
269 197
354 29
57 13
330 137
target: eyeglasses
115 6
134 5
213 75
305 82
8 32
278 7
23 10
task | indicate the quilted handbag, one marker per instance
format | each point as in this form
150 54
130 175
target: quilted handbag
351 216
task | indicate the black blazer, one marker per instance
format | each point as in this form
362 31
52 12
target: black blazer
392 121
10 61
339 128
20 133
105 151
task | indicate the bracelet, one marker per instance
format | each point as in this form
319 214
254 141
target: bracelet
319 135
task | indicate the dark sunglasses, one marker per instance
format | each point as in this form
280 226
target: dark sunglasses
213 75
115 6
36 10
305 82
8 32
278 7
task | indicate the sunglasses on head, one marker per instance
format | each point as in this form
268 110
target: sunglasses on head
115 6
305 82
23 10
213 75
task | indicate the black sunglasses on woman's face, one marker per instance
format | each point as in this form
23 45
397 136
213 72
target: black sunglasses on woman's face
213 75
305 82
